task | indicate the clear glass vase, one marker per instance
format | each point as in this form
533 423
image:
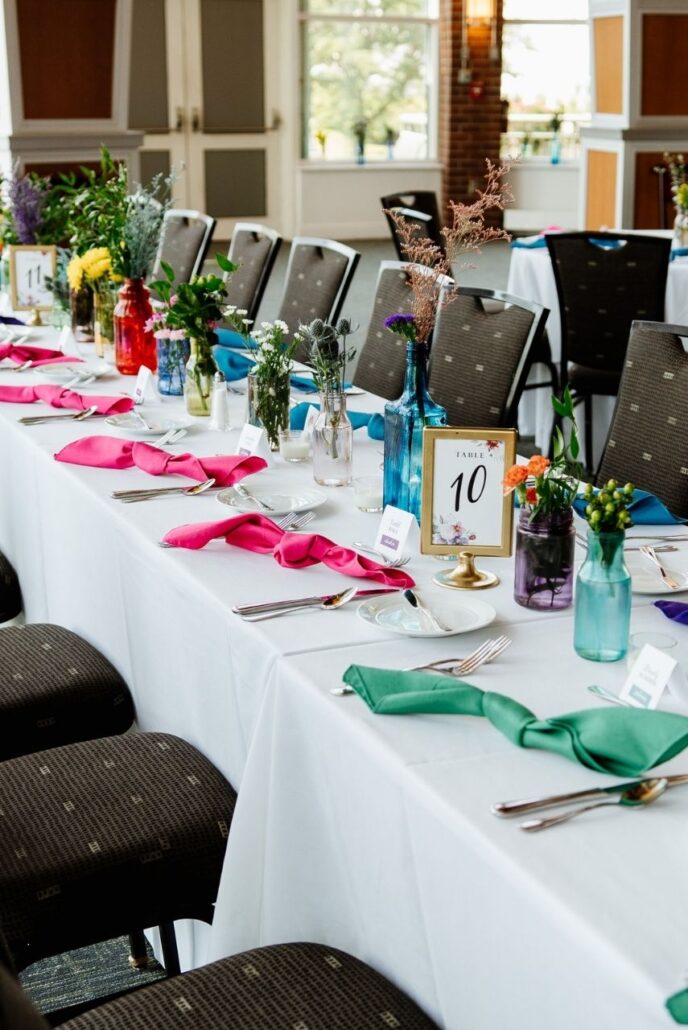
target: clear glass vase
332 442
543 578
681 227
172 358
405 421
104 299
198 383
81 307
268 404
603 600
134 344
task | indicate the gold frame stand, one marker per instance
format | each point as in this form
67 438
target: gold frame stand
35 318
465 576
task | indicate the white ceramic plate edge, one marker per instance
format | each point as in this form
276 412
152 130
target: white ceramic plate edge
367 611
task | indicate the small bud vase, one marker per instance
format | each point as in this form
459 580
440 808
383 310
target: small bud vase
268 405
543 577
81 310
103 310
198 383
134 345
332 442
603 600
172 358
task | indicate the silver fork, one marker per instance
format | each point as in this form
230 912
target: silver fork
292 521
391 563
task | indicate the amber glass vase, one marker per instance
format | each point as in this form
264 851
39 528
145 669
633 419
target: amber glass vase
134 346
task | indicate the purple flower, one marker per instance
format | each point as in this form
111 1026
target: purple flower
26 200
396 321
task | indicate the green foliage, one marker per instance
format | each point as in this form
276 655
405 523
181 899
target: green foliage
606 511
95 208
195 307
328 352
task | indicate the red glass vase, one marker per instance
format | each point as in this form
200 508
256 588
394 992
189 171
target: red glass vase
134 346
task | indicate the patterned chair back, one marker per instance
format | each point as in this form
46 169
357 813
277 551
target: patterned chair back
422 224
648 438
605 281
382 359
424 201
480 355
319 274
186 237
254 248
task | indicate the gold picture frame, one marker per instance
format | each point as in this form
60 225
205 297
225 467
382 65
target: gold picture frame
30 265
463 471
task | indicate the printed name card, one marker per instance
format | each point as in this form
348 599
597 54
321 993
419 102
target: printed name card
464 507
252 441
648 678
144 385
393 531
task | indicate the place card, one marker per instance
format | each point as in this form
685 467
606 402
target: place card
252 440
144 385
648 677
393 531
311 419
67 342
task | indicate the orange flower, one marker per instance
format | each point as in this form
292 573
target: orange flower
537 465
516 475
531 495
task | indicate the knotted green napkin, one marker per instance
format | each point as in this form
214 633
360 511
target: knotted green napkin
678 1007
619 741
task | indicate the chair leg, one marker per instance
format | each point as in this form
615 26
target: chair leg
170 954
138 953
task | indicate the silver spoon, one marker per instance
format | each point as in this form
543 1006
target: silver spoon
643 793
145 495
329 605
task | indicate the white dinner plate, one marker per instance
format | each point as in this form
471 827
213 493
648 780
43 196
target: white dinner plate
129 425
395 614
65 371
647 580
281 503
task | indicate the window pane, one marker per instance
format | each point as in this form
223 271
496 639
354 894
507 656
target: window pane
372 8
547 10
370 78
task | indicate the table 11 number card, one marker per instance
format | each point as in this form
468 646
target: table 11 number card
464 508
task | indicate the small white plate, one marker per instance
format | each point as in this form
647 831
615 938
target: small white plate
281 504
394 614
647 580
65 371
129 425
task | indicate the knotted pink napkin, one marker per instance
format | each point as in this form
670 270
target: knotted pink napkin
36 355
292 550
107 453
58 397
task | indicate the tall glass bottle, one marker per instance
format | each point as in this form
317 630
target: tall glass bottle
405 420
603 600
332 441
134 344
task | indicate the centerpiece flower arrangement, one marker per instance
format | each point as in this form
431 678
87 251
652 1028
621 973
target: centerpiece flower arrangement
430 276
678 172
189 312
329 355
94 269
545 536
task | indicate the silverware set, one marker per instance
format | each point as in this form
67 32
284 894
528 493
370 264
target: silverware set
327 602
75 416
390 563
132 496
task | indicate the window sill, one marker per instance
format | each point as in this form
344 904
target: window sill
371 166
539 164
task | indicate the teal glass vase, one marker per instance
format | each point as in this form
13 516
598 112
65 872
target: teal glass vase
405 421
603 600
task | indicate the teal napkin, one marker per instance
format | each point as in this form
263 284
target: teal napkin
529 243
230 338
358 419
645 509
678 252
234 365
619 741
678 1006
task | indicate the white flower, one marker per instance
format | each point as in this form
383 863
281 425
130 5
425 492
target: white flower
266 325
230 309
266 346
279 324
271 391
241 311
245 321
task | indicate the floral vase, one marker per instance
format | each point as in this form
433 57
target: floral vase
198 384
333 439
81 306
134 344
681 227
172 358
268 405
603 600
405 421
103 310
543 577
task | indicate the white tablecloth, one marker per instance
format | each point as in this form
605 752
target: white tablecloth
531 277
361 831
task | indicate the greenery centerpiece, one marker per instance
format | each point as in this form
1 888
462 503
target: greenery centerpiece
94 269
268 380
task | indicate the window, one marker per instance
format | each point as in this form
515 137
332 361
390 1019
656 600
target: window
545 76
369 71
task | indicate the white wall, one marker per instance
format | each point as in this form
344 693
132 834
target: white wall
544 194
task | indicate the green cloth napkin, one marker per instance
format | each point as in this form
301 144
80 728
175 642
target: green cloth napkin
619 741
678 1007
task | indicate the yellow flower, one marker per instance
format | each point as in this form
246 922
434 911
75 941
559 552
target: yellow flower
96 263
75 273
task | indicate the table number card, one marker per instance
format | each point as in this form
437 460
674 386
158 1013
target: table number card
648 678
32 272
393 531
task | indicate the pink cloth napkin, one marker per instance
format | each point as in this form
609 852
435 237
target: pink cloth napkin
36 355
58 397
107 453
292 550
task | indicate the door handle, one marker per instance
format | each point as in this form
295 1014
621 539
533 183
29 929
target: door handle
195 119
179 120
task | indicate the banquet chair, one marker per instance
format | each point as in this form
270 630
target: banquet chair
281 987
604 282
56 689
184 243
424 201
10 592
254 248
382 360
420 222
108 834
648 437
481 353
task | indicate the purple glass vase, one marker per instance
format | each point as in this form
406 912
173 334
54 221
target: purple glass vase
543 579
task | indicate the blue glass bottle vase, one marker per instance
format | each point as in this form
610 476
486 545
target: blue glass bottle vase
172 358
603 600
405 421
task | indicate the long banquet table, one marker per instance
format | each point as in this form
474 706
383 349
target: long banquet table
365 832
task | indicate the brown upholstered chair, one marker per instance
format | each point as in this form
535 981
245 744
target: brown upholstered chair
254 248
280 987
10 592
424 201
604 282
648 438
185 241
55 689
480 355
107 834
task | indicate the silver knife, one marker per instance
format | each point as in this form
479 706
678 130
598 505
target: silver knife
277 606
509 808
